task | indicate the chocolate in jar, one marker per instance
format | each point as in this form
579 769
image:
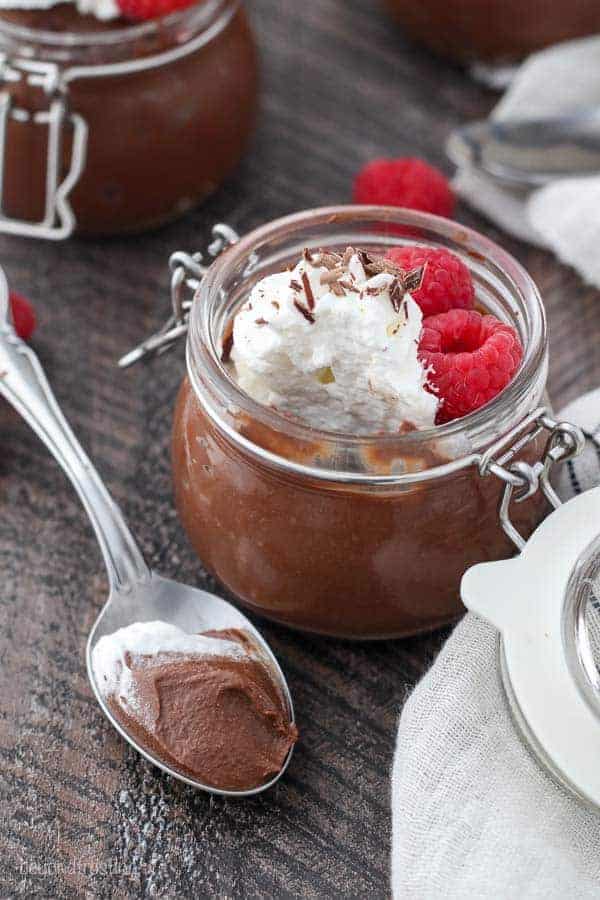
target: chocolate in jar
355 518
494 30
334 559
160 139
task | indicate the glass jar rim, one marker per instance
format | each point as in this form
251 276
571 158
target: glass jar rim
203 354
200 16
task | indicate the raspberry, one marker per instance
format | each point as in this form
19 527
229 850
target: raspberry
23 315
141 10
404 182
470 357
447 282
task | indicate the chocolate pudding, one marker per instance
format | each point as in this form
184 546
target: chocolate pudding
494 30
309 472
333 559
206 705
159 139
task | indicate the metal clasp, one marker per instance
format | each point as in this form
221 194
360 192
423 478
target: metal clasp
187 272
58 221
521 479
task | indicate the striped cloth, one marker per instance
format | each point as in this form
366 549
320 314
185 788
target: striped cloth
473 813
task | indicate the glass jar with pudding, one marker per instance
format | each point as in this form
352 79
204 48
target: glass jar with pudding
112 127
499 31
332 502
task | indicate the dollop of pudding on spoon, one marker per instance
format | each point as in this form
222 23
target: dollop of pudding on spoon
334 342
208 704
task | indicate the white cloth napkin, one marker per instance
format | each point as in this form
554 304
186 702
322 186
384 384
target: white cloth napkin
473 813
565 215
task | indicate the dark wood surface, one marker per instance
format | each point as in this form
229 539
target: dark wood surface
80 814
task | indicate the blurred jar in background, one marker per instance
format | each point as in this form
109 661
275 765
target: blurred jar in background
499 31
148 118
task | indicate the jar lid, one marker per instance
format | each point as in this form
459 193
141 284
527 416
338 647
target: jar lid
546 604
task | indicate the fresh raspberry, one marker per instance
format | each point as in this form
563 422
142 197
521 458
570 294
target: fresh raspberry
141 10
470 357
447 282
23 315
404 182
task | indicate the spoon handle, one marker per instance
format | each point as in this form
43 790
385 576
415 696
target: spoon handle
24 385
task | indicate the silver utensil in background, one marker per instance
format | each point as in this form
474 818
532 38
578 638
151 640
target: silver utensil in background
529 153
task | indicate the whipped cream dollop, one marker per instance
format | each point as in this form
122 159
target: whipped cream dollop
149 642
104 10
334 342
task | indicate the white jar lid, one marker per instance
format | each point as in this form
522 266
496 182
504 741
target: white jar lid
543 602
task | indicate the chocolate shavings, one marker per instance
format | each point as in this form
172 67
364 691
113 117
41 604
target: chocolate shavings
396 294
403 281
310 299
305 312
347 286
337 266
348 254
332 275
329 260
414 279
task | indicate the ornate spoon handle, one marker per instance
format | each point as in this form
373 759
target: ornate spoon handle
24 384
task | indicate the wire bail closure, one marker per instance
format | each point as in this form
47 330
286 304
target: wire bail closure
58 221
187 272
521 479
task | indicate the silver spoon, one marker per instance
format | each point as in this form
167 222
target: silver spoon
136 594
529 153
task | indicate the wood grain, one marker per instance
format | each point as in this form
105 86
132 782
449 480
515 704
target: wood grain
80 814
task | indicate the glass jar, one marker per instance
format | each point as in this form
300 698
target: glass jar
361 537
164 110
494 30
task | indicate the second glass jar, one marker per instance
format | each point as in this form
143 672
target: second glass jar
169 106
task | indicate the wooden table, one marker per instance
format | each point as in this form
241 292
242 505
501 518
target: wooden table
81 815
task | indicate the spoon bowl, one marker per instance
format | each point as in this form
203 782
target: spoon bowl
529 153
136 594
193 610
